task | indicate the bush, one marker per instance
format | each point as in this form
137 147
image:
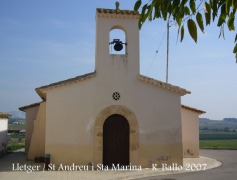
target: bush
14 147
14 135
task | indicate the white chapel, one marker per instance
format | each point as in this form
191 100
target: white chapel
113 115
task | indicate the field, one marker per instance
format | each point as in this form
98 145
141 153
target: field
16 126
219 144
218 140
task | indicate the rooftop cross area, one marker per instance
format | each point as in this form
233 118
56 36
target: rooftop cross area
117 10
104 12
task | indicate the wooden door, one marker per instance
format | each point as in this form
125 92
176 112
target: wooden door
116 141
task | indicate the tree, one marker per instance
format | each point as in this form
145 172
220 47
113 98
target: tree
184 11
226 129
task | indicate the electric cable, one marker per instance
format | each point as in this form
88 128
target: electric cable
156 53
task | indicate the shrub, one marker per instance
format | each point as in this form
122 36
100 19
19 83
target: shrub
14 147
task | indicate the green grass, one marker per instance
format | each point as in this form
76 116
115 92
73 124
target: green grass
219 144
16 126
14 147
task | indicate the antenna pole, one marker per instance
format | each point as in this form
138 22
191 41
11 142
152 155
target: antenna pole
167 55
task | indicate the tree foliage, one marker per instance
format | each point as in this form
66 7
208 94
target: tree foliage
191 13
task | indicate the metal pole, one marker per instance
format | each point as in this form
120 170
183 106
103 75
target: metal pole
167 55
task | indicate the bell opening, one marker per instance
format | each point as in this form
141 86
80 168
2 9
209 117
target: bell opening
117 42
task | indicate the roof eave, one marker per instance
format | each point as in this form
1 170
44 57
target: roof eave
41 91
23 108
193 109
164 85
4 115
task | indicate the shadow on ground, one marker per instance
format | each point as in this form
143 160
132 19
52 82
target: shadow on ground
12 160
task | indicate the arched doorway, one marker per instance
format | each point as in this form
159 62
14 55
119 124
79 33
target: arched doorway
102 116
116 140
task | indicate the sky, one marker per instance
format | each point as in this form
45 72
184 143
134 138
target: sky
47 41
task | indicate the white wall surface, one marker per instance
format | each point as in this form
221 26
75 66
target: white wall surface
3 135
190 133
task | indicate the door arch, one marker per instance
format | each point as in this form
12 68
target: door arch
116 140
133 134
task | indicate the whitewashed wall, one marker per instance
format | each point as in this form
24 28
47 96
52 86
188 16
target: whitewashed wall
3 135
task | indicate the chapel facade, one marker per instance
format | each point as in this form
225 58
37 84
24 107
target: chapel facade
113 115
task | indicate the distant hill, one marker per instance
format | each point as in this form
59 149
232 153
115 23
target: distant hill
16 115
230 120
227 124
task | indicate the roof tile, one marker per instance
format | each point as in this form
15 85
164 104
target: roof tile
62 83
23 108
4 115
109 12
193 109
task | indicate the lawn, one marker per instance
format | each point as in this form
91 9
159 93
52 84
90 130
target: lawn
219 144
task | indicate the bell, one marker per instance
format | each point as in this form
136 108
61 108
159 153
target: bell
118 46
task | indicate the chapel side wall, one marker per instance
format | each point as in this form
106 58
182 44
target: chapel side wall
70 123
190 124
31 114
160 128
3 136
37 144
